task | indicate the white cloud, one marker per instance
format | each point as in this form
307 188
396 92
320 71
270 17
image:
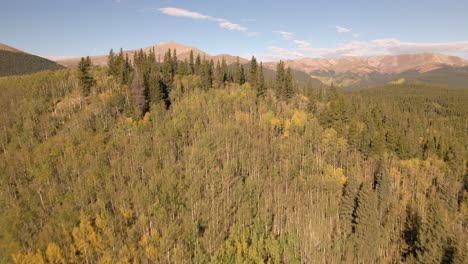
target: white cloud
231 26
179 12
384 46
285 52
279 54
341 29
302 44
286 35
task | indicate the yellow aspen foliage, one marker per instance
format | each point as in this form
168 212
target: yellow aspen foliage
86 241
54 254
287 126
28 257
149 243
298 120
334 177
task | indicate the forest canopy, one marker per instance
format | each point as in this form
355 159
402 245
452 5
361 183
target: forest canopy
198 161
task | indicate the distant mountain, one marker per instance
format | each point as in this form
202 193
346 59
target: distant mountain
383 63
428 68
17 62
183 52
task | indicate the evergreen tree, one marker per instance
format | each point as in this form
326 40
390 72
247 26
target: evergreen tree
432 236
139 94
155 93
261 89
367 225
198 63
167 69
207 74
224 69
382 186
239 75
253 75
126 70
86 80
113 67
284 86
191 69
289 84
348 206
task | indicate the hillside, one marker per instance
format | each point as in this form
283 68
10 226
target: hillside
16 62
160 49
8 48
214 170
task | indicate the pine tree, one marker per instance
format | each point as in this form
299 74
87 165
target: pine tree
367 225
113 68
239 76
280 79
288 84
139 94
86 80
382 186
431 239
207 74
191 69
261 89
155 93
252 75
126 70
348 206
198 63
224 69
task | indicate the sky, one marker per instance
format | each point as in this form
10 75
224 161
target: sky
269 30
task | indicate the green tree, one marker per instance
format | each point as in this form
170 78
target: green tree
86 79
367 225
253 72
432 236
261 89
139 94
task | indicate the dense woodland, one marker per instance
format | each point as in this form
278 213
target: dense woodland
16 63
197 161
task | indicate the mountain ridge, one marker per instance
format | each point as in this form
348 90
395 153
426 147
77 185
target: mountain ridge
17 62
183 52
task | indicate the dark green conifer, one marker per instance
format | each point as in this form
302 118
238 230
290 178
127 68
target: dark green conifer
86 80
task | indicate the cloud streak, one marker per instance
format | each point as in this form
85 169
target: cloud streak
383 46
222 22
341 29
286 35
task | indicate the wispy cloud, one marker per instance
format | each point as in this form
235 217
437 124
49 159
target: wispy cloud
341 29
383 46
286 35
277 54
285 52
222 22
179 12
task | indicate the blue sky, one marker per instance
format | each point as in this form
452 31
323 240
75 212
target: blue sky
268 29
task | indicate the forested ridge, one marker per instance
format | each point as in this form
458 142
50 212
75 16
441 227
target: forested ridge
196 161
17 63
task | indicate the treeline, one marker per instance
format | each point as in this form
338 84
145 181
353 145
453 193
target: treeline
201 162
18 63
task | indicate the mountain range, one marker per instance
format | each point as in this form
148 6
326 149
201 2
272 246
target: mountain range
183 52
349 71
